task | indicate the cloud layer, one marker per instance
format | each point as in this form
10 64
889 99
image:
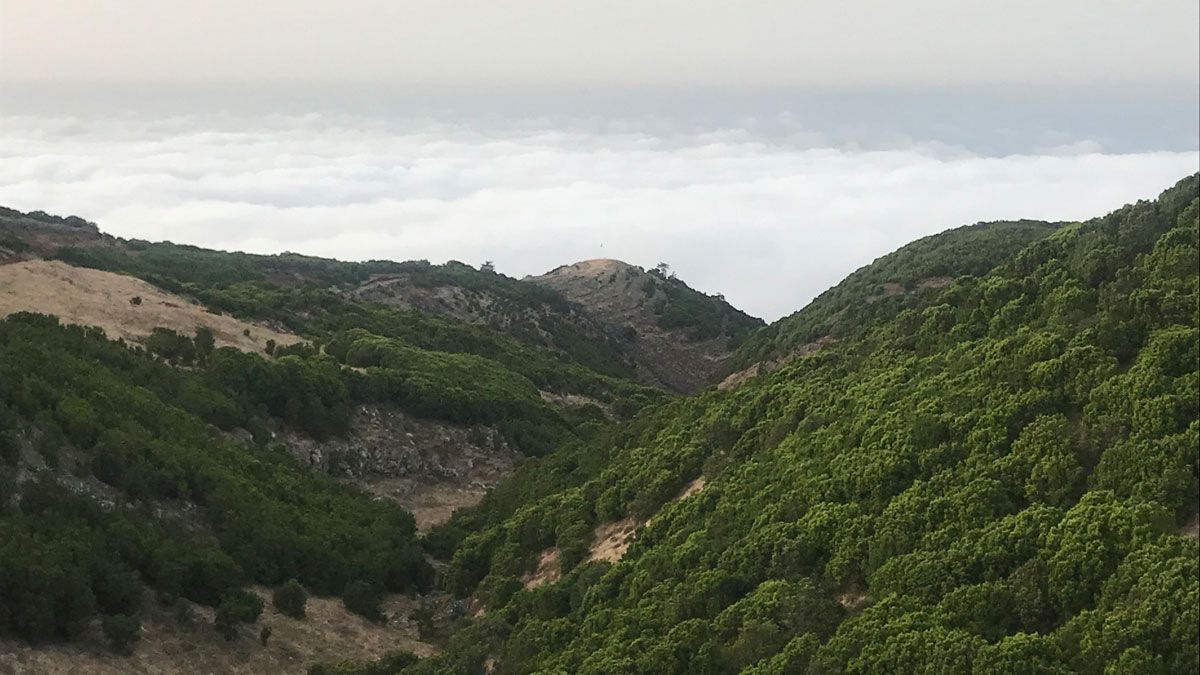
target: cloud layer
768 221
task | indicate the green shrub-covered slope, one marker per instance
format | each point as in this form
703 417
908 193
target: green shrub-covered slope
141 487
125 467
998 478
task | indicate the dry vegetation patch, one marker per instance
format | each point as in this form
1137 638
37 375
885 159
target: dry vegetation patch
124 307
329 633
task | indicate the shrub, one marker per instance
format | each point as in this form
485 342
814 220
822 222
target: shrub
363 598
290 599
122 631
239 606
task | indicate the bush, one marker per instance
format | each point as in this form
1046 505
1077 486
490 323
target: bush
239 606
183 612
363 598
122 631
290 599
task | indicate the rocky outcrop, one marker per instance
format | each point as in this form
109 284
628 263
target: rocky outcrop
431 468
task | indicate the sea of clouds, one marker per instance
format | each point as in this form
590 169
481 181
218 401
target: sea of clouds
767 219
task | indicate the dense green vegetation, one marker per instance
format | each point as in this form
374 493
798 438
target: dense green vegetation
904 279
993 480
162 498
435 367
704 317
150 432
178 266
991 468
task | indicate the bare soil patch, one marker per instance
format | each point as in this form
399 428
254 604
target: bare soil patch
1192 529
612 540
742 376
852 600
431 504
691 488
548 570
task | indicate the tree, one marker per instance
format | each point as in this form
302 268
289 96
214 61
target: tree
290 599
205 341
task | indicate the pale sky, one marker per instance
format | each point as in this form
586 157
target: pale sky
605 42
762 149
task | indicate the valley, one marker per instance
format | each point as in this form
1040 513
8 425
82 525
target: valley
979 453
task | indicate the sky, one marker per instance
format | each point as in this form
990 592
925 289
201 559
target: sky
762 149
605 42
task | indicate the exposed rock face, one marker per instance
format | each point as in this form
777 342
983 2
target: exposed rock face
429 467
624 296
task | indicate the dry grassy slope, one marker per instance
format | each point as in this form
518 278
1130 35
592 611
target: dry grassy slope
613 292
329 633
91 297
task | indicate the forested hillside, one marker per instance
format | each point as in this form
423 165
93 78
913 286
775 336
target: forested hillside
906 278
160 466
140 486
978 454
1000 478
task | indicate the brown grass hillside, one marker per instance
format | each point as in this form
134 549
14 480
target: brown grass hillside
91 297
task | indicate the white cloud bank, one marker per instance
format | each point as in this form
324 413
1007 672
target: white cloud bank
770 224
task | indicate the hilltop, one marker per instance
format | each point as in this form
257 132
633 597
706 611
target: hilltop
679 337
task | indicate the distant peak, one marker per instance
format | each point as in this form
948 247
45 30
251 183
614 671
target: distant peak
593 267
